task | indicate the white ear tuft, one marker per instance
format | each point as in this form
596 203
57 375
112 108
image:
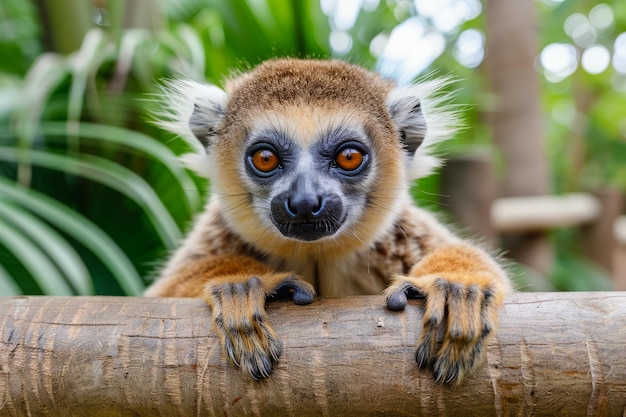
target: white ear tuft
422 118
192 111
405 108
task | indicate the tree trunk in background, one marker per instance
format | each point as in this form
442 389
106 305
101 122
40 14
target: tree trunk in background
468 189
516 116
64 23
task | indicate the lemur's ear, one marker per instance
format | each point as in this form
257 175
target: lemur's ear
410 108
405 108
208 110
192 108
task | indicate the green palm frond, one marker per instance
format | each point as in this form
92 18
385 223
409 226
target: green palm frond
78 227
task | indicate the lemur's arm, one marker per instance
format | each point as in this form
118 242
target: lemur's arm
236 288
463 288
217 266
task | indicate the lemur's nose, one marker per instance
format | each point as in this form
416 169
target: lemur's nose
305 206
304 202
307 211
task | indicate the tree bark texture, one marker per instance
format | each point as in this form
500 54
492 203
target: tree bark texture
555 354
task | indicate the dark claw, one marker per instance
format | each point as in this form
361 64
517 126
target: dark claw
293 288
486 330
422 356
230 350
477 352
446 376
262 368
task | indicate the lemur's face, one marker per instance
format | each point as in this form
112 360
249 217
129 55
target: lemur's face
314 153
309 173
328 178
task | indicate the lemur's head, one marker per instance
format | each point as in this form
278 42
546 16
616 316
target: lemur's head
316 154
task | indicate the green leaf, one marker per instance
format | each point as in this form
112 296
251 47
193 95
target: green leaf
42 79
115 176
81 229
572 272
193 43
43 271
129 43
180 53
8 287
44 76
135 141
82 64
52 244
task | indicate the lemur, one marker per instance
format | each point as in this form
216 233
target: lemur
310 164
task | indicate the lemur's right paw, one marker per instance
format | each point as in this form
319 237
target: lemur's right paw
241 321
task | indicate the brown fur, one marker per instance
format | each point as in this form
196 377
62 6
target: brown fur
325 84
234 260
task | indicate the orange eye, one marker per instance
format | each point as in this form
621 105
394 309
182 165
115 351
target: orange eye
349 159
265 160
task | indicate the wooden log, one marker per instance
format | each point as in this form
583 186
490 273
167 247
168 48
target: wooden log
555 354
538 213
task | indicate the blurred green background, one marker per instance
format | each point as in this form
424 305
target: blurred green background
91 195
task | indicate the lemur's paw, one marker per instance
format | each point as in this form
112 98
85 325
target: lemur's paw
466 312
241 321
292 287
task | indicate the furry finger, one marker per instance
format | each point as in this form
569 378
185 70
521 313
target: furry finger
462 343
434 315
301 292
398 293
242 326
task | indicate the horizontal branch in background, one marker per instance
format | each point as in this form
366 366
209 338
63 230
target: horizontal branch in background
536 213
554 354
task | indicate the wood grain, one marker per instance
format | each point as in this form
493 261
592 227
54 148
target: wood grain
554 354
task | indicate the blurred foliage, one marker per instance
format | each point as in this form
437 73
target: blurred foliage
91 194
586 117
91 197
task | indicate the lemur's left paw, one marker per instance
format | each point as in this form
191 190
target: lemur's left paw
293 288
467 312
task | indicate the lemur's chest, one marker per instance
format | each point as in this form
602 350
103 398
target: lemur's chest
360 273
